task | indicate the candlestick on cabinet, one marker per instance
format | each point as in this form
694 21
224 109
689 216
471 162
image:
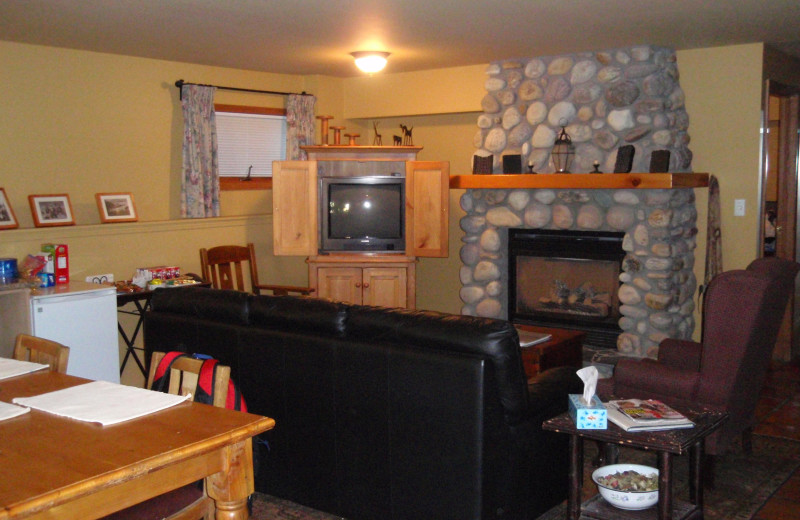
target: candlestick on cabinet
324 130
337 134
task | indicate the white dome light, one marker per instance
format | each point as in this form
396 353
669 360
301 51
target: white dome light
370 61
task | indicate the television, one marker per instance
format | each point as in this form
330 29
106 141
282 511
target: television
362 214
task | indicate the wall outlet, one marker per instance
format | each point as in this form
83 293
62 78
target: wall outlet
738 208
101 278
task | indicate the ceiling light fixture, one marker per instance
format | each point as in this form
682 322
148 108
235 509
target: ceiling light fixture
370 61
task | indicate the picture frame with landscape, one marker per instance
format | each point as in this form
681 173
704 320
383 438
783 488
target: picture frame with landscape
116 207
51 210
7 218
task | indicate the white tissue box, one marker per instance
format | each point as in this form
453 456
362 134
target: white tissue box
588 417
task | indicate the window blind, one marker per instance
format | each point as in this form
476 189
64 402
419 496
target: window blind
246 140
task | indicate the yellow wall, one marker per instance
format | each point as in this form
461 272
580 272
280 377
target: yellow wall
723 87
78 122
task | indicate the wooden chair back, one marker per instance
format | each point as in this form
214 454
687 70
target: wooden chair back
40 350
184 374
223 267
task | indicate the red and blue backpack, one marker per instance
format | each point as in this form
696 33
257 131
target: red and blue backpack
205 381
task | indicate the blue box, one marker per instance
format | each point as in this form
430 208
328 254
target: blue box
588 417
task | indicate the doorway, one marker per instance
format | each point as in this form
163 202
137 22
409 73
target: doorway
779 215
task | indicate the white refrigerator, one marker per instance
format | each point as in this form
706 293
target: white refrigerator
82 316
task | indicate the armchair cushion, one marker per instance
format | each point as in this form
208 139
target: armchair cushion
682 354
649 379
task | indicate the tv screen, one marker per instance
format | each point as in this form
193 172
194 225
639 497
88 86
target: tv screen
363 213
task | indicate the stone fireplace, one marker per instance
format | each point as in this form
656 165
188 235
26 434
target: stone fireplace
629 96
658 228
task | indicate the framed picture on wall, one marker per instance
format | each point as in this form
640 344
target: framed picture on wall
51 210
7 218
116 207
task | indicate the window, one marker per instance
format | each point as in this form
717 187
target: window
249 139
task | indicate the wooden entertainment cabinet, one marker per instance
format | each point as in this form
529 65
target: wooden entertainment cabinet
371 278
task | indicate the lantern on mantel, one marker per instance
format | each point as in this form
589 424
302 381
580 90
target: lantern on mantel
563 152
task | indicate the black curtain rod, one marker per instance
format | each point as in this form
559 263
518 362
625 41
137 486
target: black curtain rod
180 83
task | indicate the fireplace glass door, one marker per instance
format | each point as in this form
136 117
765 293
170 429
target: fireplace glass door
566 279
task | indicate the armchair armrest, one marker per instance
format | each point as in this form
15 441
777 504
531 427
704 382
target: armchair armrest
283 290
648 377
682 354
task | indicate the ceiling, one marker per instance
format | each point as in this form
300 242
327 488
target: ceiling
316 36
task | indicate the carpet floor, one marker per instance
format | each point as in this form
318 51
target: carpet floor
743 483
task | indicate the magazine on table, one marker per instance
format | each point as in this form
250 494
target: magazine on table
529 337
634 415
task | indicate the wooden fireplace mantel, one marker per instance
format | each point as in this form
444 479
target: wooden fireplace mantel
581 181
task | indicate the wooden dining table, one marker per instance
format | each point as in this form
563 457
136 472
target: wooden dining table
54 467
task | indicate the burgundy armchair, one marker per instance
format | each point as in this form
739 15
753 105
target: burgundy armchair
742 315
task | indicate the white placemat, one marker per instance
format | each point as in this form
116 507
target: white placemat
7 411
14 367
102 402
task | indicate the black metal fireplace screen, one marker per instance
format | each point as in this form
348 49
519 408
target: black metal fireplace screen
567 279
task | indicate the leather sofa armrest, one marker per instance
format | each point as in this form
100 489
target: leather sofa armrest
649 377
548 391
682 354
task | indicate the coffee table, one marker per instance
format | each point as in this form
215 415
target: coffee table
664 443
565 348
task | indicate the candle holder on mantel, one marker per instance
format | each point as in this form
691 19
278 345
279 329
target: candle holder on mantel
351 139
324 130
337 134
530 168
596 165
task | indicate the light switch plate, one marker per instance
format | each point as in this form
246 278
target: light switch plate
738 208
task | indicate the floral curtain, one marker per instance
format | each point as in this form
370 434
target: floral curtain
299 125
200 179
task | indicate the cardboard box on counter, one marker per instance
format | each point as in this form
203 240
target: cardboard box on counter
592 416
60 254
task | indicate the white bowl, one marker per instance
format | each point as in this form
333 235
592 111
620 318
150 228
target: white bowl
632 500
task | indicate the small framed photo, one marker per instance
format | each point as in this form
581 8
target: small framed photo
7 218
51 210
116 207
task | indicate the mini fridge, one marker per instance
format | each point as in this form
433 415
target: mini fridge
82 316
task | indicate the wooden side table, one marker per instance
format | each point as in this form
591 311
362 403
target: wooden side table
565 348
664 443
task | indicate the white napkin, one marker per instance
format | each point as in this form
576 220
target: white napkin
102 402
14 367
7 411
589 376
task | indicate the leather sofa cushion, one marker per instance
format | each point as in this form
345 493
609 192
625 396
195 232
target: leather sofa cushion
298 314
225 306
493 339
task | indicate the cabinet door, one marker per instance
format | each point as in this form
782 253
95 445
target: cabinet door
294 207
427 208
340 284
385 286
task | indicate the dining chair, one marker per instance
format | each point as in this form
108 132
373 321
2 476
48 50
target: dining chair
222 266
189 502
40 350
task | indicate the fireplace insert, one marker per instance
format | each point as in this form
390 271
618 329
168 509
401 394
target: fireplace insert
567 279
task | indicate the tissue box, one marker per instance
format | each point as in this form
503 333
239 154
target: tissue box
588 417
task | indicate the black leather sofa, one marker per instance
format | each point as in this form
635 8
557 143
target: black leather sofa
381 413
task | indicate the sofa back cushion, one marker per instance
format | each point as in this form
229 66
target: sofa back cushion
298 314
224 306
491 339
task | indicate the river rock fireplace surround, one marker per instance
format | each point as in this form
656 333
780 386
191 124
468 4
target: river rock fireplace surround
658 228
605 99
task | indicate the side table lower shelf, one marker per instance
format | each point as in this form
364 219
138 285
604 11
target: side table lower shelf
598 509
